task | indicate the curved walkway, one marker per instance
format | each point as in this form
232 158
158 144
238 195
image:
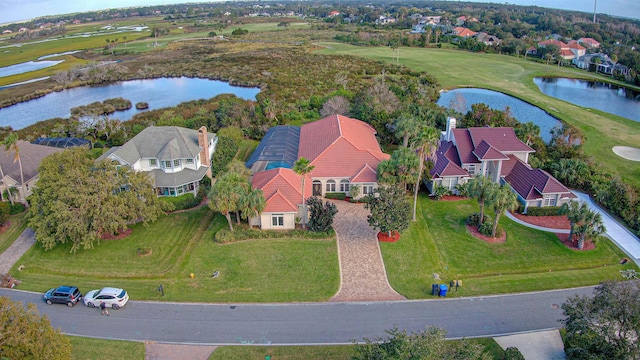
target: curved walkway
362 273
10 256
541 228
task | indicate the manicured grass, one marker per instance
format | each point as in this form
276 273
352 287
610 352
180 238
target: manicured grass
514 76
98 349
16 227
529 260
329 352
245 149
181 244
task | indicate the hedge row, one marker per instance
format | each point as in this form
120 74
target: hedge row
182 202
335 195
224 236
543 211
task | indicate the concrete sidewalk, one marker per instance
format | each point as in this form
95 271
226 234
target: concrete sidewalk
541 345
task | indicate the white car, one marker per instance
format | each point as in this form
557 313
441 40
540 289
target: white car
113 297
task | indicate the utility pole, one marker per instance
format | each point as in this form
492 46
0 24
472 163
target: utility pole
595 2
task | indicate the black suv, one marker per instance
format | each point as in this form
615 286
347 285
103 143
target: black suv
64 294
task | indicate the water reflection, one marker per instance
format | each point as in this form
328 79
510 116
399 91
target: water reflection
606 97
520 110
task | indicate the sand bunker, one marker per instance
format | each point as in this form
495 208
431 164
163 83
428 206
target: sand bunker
627 152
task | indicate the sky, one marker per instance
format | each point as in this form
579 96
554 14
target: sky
16 10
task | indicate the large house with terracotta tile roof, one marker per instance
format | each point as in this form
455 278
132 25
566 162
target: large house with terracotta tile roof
343 151
463 32
568 51
498 154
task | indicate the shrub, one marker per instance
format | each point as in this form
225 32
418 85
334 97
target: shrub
463 189
185 201
474 219
5 210
512 353
335 195
486 228
543 211
321 214
16 208
439 192
240 233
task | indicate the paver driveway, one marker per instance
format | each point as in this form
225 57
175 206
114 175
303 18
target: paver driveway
362 273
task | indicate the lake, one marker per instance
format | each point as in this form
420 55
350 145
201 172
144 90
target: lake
158 93
591 94
520 110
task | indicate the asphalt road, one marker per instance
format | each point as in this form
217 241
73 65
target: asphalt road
307 323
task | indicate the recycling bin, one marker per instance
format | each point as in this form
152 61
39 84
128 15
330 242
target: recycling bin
443 290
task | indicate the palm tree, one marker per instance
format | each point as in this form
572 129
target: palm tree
576 213
426 144
406 126
502 199
302 167
225 195
528 131
480 189
593 226
251 203
11 144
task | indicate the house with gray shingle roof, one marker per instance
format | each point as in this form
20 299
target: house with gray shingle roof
31 156
498 154
175 158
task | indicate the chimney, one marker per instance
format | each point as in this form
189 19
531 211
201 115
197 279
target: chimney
451 125
203 143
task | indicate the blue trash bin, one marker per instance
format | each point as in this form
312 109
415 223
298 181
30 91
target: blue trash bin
443 290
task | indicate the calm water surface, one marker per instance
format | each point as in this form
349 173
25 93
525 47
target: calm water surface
591 94
158 93
520 110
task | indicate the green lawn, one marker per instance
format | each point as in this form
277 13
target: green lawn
99 349
514 76
529 260
181 244
16 227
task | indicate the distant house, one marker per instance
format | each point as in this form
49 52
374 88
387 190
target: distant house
343 151
489 40
589 43
463 32
567 51
334 13
175 158
31 156
7 32
494 153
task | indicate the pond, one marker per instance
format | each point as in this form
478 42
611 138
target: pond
592 94
520 110
158 93
27 67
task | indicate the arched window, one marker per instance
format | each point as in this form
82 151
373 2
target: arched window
344 185
331 186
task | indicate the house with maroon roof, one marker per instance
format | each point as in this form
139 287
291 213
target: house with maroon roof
494 153
343 151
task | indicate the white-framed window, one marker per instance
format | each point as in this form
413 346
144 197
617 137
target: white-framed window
472 169
344 185
176 163
549 200
449 182
277 220
330 186
189 161
367 189
167 164
153 162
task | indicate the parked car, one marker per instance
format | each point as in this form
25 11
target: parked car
112 297
64 294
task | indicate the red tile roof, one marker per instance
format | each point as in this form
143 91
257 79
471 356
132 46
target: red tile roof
533 184
339 146
463 32
589 41
281 188
575 45
557 43
566 53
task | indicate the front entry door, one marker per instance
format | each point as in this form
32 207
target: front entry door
317 189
